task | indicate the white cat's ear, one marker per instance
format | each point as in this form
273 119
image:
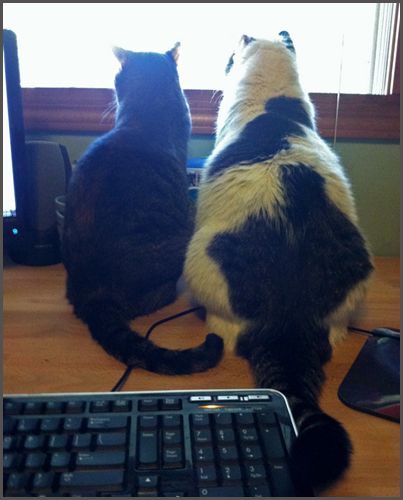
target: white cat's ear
120 54
246 40
286 39
174 52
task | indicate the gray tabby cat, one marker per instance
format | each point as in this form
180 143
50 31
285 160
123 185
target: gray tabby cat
128 221
277 257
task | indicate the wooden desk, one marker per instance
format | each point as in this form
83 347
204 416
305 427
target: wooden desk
46 349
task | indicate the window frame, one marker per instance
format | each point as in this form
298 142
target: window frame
82 110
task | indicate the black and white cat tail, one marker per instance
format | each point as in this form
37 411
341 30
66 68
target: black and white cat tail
282 358
110 328
322 451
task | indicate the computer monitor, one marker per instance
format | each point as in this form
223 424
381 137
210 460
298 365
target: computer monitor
14 152
34 173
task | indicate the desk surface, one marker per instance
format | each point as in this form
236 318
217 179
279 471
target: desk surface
47 349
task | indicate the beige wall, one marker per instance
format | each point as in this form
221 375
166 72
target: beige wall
373 168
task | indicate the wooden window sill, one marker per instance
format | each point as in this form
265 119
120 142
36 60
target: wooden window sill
82 110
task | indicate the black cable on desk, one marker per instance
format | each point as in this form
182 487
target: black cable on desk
123 379
121 382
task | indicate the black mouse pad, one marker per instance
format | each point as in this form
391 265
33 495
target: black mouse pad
372 384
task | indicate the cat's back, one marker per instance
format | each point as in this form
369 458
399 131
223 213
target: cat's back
125 189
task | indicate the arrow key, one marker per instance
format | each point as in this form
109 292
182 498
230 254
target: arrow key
147 486
147 481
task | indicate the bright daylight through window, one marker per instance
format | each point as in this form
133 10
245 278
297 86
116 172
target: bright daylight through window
69 44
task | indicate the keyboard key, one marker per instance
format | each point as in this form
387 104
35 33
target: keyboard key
200 420
259 397
230 473
231 397
147 485
206 474
103 423
222 419
248 434
174 494
148 447
16 483
170 437
50 424
111 439
147 481
9 425
42 482
225 435
272 442
12 408
251 451
254 472
281 479
106 480
81 441
60 459
171 404
35 460
100 406
147 492
54 407
32 407
121 405
259 490
8 443
268 418
202 436
72 423
98 458
148 421
227 453
11 461
57 441
148 404
172 458
172 421
199 399
244 418
75 407
204 454
223 491
34 442
27 424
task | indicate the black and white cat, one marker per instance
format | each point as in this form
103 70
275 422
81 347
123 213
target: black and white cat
128 221
277 258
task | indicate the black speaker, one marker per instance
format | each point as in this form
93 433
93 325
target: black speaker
48 173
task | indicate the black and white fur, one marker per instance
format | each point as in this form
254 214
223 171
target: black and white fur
128 218
277 258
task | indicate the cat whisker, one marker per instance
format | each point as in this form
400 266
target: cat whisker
112 107
214 96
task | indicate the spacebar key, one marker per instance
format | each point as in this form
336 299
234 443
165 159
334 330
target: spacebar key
99 480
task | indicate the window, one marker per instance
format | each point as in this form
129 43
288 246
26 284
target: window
341 48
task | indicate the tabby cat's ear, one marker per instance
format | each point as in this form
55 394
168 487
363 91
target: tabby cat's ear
174 52
121 54
287 40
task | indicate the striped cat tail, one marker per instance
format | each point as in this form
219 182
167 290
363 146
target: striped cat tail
109 327
322 451
290 359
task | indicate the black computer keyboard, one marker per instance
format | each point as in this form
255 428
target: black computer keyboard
175 443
